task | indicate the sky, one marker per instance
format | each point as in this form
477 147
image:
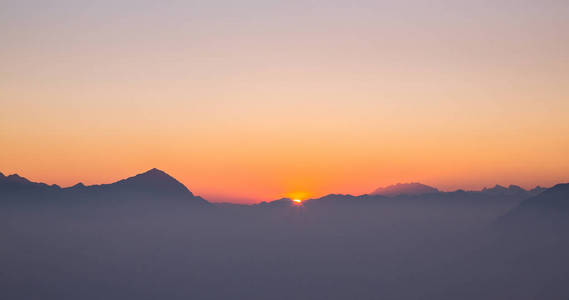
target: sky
245 101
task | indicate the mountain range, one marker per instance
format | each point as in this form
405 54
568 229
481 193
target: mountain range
156 185
551 206
151 185
413 188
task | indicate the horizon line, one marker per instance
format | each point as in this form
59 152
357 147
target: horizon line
223 198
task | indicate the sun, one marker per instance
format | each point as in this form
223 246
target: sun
297 198
297 195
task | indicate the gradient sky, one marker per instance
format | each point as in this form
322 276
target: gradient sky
254 100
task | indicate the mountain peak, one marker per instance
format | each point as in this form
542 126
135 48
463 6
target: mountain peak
15 178
411 188
152 184
283 202
154 174
551 203
155 171
78 185
154 180
517 188
498 189
561 187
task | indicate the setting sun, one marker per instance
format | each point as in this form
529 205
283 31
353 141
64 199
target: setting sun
297 201
298 196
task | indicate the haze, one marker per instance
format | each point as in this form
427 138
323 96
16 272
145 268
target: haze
245 101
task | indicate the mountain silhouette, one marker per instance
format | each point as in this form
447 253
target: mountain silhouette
283 202
415 192
550 203
152 182
541 215
413 188
406 194
17 186
510 190
151 185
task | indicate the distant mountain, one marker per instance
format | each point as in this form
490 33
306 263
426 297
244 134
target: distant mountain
406 193
537 190
413 188
17 186
151 185
418 189
511 190
283 202
551 203
153 182
425 196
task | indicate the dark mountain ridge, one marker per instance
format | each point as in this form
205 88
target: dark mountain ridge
151 185
497 193
419 189
549 208
156 184
555 198
413 188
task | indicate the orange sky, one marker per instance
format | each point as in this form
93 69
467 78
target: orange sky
257 101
